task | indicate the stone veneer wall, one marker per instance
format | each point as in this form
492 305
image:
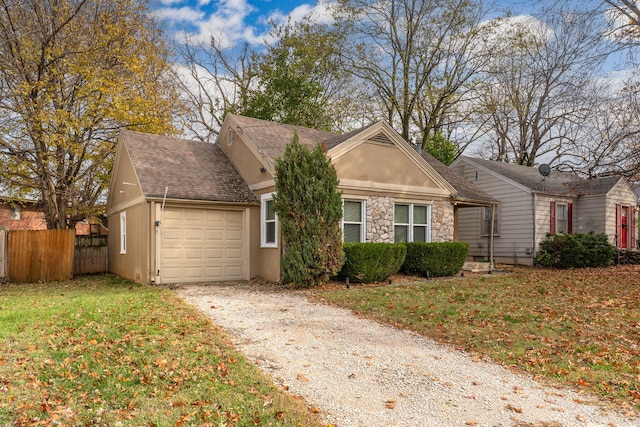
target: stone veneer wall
442 222
380 220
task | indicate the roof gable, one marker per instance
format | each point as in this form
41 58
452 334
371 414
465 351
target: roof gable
381 133
270 138
189 170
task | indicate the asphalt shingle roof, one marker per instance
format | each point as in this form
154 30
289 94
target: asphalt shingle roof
558 183
467 191
192 170
271 138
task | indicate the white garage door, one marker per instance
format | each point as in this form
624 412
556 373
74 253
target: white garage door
199 245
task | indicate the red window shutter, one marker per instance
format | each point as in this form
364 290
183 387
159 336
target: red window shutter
569 218
618 225
632 226
552 228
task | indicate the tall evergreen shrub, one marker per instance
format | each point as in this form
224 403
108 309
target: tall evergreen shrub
309 209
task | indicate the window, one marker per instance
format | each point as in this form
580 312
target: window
269 223
561 218
560 221
411 223
16 213
486 221
123 232
353 225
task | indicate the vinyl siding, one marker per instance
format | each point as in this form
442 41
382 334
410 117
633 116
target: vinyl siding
514 238
620 194
543 215
589 215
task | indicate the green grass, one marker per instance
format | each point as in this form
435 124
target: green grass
103 351
578 327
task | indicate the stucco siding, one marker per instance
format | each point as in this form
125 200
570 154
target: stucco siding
382 163
243 158
134 263
124 182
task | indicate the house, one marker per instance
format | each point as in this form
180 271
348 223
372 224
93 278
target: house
531 205
188 211
24 214
18 214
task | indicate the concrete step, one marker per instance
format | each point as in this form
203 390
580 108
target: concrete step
476 267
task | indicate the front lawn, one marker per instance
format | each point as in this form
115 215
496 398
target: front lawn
578 327
103 351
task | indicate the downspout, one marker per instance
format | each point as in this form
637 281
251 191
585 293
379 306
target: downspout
493 215
153 243
158 222
533 212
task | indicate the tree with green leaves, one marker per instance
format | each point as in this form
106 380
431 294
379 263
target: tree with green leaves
294 77
72 73
293 80
441 148
309 208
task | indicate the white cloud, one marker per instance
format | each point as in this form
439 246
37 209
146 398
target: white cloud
233 21
182 14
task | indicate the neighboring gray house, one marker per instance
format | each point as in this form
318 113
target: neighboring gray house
531 206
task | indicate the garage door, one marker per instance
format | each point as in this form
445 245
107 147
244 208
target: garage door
200 245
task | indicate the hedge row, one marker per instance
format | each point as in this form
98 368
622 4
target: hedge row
435 259
375 262
372 262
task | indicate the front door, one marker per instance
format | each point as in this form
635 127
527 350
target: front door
623 226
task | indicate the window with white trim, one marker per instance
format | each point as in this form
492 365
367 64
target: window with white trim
123 232
412 223
486 221
353 223
268 223
561 218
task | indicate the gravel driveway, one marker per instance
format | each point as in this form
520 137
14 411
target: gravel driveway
360 373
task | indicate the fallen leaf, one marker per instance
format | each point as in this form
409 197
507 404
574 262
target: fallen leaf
390 404
514 408
471 423
315 410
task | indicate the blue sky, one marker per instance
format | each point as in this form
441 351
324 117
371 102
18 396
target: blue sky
247 20
235 20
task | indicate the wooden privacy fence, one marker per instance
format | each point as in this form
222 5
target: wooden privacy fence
50 255
90 255
40 255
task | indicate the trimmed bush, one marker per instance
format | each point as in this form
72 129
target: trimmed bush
575 250
435 259
372 262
